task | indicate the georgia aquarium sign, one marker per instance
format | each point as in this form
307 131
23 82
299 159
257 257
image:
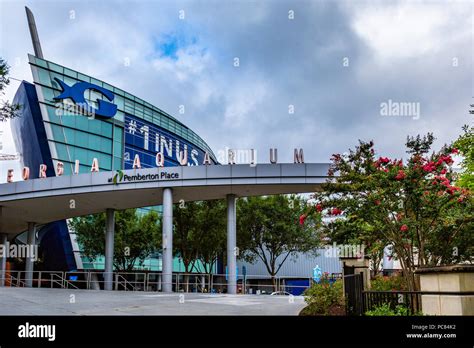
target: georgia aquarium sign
76 94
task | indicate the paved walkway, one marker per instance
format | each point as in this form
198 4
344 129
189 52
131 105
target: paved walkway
31 301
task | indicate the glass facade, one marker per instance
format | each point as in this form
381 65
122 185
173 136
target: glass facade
63 134
78 137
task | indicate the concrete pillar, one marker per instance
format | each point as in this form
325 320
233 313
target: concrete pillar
109 249
167 262
3 260
29 261
231 245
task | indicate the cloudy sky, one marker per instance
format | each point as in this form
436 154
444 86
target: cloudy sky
333 62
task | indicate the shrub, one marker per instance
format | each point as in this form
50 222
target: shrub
384 283
385 310
324 298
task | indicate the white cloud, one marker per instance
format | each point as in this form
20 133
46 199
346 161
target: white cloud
282 62
406 30
242 101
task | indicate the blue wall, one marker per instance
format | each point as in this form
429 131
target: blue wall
30 140
135 144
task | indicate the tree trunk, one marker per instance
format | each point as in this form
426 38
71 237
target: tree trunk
186 276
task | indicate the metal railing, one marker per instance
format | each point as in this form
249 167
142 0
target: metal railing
154 282
411 300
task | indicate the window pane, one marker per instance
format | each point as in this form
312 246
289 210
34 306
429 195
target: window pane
81 155
70 73
95 126
82 139
83 77
106 129
118 134
105 145
44 77
56 67
118 151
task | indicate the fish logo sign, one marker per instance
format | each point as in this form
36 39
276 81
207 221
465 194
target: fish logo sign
76 94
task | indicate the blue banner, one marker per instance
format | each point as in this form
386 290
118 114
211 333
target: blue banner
146 139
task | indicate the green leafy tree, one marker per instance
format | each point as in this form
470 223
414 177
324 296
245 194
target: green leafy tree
7 110
213 240
465 145
267 229
199 235
412 205
137 236
186 233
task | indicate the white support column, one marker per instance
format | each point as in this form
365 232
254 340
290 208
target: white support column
3 260
231 245
167 261
29 261
109 249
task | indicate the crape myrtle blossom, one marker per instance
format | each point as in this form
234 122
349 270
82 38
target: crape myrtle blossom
412 204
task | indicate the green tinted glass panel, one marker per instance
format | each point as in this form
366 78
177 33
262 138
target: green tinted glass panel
105 145
118 134
106 129
52 115
44 77
117 163
56 68
129 109
107 86
70 73
67 169
69 121
84 77
48 94
61 150
81 155
105 161
84 169
119 91
120 116
118 151
72 153
82 139
70 135
93 142
82 122
40 62
96 82
57 133
119 102
95 126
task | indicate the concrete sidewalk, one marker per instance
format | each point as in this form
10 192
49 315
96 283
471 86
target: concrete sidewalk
31 301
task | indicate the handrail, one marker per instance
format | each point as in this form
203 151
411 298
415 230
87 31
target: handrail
125 282
19 281
153 281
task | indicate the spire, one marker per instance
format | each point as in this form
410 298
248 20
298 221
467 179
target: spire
34 33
